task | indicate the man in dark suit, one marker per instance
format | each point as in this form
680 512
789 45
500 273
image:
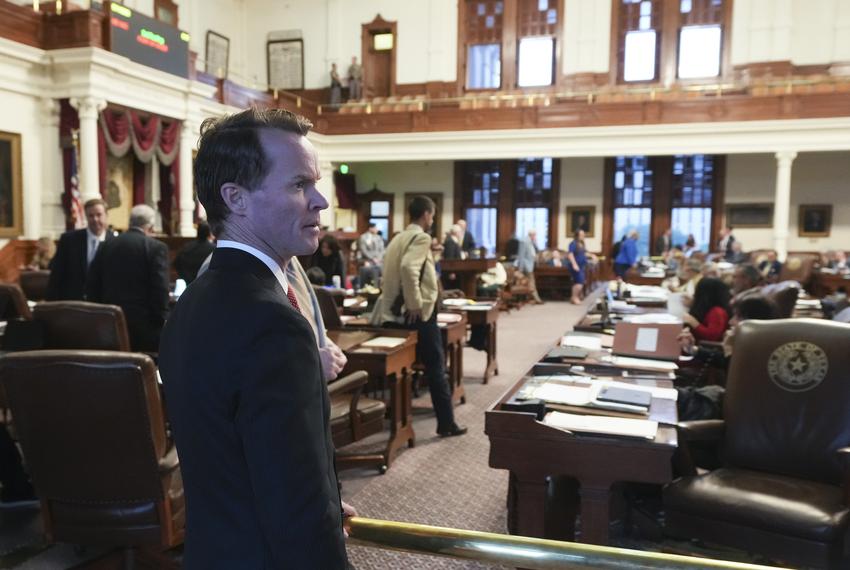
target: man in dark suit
468 243
131 271
663 244
240 366
74 254
192 255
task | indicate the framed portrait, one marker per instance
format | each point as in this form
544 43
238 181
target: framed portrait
815 220
285 61
750 215
217 54
580 218
11 186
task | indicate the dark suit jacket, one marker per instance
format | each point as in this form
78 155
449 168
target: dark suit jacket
68 268
468 242
249 410
190 258
131 271
451 249
662 244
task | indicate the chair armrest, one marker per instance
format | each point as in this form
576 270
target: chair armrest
701 430
844 456
169 462
711 344
348 383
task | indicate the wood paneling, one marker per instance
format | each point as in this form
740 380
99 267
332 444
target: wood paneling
20 24
13 256
74 29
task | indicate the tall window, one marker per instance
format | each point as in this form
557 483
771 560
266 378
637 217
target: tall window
480 199
483 22
633 185
379 214
533 198
640 41
509 43
700 38
537 30
693 191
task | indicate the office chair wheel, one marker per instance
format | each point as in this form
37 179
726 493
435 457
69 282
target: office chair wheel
382 469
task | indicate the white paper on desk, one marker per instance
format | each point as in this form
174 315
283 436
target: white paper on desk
566 394
603 425
647 339
648 292
383 342
660 393
620 305
652 319
449 318
581 341
456 302
478 307
643 363
352 302
676 306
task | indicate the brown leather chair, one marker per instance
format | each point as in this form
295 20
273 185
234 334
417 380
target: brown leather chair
784 296
329 309
34 283
355 417
13 303
799 267
81 325
783 490
92 430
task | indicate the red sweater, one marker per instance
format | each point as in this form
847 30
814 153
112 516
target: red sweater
713 325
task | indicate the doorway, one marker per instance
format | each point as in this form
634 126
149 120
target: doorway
378 47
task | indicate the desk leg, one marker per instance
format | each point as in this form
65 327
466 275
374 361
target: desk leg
455 355
595 514
492 366
526 505
401 431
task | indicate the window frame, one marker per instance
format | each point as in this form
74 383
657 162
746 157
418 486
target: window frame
667 46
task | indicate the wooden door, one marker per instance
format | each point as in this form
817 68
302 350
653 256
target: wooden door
377 67
378 57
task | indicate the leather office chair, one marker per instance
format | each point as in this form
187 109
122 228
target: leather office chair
92 430
81 325
328 308
34 283
355 417
784 488
13 303
799 267
784 296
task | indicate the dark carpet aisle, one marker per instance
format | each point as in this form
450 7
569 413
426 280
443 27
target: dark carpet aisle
447 482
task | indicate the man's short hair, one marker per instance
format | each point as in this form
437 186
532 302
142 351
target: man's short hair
95 202
750 272
230 151
372 225
419 205
203 231
142 216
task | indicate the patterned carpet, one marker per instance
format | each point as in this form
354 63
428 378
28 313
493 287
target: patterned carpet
447 482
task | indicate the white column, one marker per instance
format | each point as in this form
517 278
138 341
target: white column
326 187
52 215
88 109
782 202
187 195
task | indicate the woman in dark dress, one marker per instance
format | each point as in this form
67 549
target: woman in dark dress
329 259
577 260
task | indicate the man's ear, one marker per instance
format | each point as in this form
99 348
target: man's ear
235 198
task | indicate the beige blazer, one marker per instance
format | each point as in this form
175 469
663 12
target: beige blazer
403 263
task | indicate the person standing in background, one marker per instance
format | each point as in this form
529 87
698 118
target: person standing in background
526 258
355 80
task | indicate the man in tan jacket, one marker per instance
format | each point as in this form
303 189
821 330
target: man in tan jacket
409 298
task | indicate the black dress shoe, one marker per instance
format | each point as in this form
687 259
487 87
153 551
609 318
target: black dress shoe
453 431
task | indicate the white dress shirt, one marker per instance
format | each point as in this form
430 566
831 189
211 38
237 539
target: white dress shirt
270 263
92 243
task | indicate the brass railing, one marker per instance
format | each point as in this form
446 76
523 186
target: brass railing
519 551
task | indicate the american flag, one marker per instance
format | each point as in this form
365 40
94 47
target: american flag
78 215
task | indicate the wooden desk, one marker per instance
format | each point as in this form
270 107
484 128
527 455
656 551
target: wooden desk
488 319
829 283
467 271
553 283
454 337
533 452
386 366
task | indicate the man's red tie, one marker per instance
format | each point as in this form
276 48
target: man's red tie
290 294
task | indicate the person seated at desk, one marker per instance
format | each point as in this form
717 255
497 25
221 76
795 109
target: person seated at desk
686 278
329 259
492 280
737 255
770 267
709 314
836 261
690 246
746 281
706 402
627 256
556 260
577 258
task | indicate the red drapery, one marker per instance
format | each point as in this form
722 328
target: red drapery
146 135
68 121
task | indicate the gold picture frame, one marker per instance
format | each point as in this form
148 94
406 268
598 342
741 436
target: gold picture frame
814 220
11 186
575 215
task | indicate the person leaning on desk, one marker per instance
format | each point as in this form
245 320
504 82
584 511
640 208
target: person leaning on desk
627 257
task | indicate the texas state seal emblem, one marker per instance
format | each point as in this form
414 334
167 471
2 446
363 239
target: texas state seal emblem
797 366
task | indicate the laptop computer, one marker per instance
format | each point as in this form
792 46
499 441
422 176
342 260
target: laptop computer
652 340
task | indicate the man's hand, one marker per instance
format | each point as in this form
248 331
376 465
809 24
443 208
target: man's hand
413 316
690 320
347 512
333 360
687 342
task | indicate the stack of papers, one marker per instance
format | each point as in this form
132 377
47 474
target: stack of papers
449 318
457 302
582 341
383 342
653 319
640 363
626 427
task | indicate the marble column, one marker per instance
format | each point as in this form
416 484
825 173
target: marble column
187 191
88 109
782 202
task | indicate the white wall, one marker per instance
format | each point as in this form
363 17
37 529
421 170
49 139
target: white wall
402 178
587 36
816 178
582 181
